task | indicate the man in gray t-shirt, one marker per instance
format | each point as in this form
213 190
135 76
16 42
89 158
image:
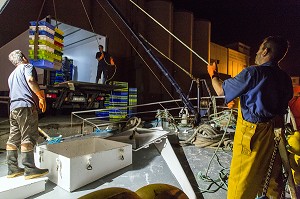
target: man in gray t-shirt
25 98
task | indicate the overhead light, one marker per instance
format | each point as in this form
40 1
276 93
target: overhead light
3 4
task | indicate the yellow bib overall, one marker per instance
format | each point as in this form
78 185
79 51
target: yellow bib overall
252 150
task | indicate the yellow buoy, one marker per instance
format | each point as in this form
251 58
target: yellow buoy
161 191
294 143
293 162
112 193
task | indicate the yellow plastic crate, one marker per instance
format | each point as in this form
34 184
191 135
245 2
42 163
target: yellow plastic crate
42 37
59 31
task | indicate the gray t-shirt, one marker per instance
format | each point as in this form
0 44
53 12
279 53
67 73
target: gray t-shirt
20 93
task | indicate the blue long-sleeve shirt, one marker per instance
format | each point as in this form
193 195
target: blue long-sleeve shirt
264 91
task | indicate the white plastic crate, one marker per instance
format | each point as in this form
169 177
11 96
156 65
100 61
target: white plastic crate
43 47
43 28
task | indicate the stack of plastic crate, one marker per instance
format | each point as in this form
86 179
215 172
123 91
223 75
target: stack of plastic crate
104 113
118 101
52 77
132 101
49 44
58 44
59 77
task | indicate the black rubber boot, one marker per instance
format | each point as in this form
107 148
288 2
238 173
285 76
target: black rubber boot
12 162
31 171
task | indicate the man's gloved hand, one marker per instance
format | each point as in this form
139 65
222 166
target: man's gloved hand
42 100
231 104
234 103
112 62
212 70
101 56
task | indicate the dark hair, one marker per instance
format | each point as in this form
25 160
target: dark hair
100 46
277 45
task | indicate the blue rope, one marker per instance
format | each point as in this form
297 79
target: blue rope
55 140
99 131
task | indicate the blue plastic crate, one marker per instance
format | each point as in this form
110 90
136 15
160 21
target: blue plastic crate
42 23
42 32
120 93
102 114
118 110
119 100
41 63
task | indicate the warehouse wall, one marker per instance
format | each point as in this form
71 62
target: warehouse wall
183 29
230 61
236 62
162 41
219 54
20 43
201 45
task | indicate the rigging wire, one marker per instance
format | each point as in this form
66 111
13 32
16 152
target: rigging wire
169 32
165 56
55 14
115 66
89 21
41 11
205 176
36 34
137 52
115 70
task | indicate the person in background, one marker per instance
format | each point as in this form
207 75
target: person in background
264 91
25 97
104 60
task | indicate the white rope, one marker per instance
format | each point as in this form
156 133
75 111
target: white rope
165 56
169 32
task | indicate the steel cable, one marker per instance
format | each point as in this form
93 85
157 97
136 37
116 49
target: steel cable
168 31
137 52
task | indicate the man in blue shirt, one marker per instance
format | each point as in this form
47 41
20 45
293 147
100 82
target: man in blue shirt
264 91
25 98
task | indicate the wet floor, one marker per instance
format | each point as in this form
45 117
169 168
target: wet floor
205 168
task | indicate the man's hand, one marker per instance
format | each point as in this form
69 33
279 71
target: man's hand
212 70
234 103
101 56
112 62
42 100
231 104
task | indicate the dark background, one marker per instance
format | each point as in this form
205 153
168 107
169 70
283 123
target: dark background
249 22
246 21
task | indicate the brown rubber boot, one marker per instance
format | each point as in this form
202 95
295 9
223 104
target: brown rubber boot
12 162
31 171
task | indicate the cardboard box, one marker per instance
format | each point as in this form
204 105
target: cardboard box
78 162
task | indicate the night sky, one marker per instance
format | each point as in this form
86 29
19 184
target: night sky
250 22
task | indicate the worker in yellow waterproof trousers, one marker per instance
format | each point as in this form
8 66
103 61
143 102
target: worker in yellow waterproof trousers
264 91
252 150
